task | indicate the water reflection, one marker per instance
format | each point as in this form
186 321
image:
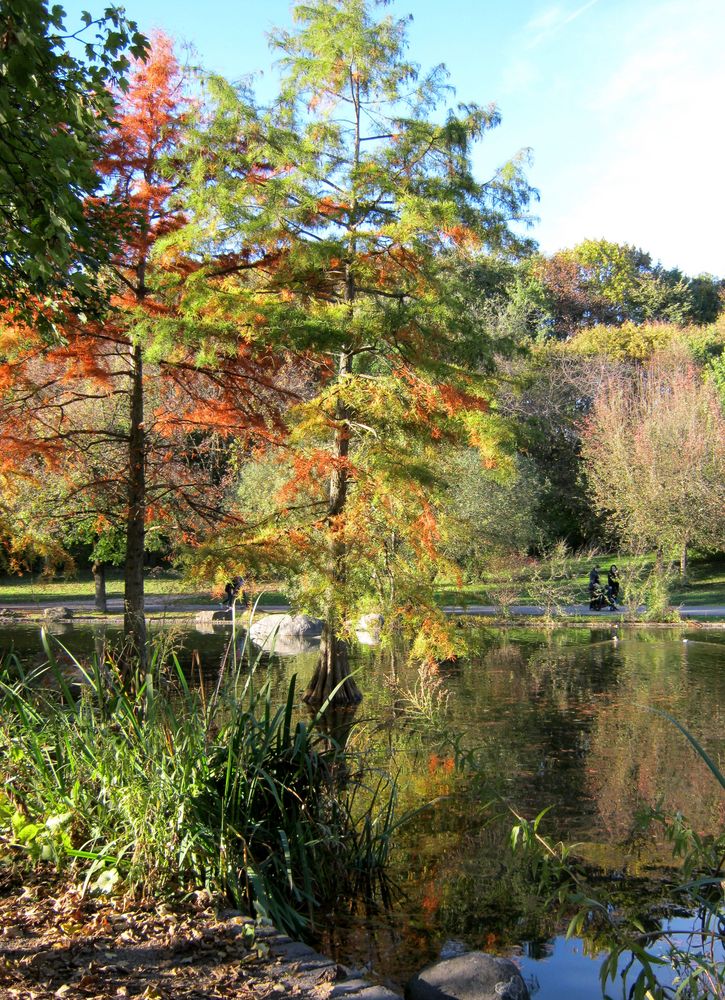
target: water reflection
544 718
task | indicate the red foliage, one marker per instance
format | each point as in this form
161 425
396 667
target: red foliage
67 406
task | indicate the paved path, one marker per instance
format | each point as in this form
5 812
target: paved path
177 604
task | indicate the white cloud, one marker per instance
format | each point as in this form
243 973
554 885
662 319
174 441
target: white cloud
546 24
651 145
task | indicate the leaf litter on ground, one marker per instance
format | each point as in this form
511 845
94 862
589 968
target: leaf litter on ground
57 942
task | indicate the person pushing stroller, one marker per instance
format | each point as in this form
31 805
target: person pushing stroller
599 598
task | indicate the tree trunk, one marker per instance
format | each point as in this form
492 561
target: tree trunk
683 562
99 582
332 669
333 665
134 622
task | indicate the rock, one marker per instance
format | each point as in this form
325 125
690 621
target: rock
285 627
368 629
57 614
292 646
370 623
475 976
286 635
452 948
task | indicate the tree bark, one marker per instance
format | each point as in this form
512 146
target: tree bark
99 582
333 664
332 669
683 562
134 622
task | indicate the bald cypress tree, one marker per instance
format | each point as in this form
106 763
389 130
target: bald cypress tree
355 201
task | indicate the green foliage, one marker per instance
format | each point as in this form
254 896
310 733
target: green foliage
706 293
600 283
357 194
486 511
645 589
635 341
54 106
551 584
167 787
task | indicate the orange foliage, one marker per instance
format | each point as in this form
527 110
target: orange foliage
436 763
426 531
462 236
455 400
309 469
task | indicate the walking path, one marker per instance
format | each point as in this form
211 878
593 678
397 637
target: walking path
182 604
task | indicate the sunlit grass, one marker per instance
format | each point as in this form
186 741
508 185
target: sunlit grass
40 589
705 585
705 582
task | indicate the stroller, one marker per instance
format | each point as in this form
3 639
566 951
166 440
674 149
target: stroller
600 599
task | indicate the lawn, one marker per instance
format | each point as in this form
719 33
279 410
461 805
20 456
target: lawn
705 583
513 584
28 589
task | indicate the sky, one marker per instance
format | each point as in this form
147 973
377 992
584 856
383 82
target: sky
619 101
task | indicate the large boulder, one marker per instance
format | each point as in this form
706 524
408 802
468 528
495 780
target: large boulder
213 615
57 614
474 976
286 634
368 629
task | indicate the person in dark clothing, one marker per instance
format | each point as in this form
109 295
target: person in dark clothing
613 583
233 591
594 589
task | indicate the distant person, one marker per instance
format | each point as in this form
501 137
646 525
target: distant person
595 589
234 590
613 582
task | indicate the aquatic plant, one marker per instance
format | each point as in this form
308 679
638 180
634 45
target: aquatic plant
162 785
651 954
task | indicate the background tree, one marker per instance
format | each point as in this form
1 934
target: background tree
355 230
654 451
600 283
124 427
54 107
488 512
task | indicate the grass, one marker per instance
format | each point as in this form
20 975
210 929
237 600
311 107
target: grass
705 583
148 784
39 589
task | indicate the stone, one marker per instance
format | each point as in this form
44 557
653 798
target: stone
474 976
57 614
368 629
349 988
286 635
286 627
219 615
452 948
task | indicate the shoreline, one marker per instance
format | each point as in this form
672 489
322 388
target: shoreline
575 616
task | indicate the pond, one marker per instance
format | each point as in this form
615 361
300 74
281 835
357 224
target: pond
530 718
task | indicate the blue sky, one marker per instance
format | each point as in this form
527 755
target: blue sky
620 101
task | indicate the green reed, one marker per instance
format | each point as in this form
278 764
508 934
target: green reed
163 785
